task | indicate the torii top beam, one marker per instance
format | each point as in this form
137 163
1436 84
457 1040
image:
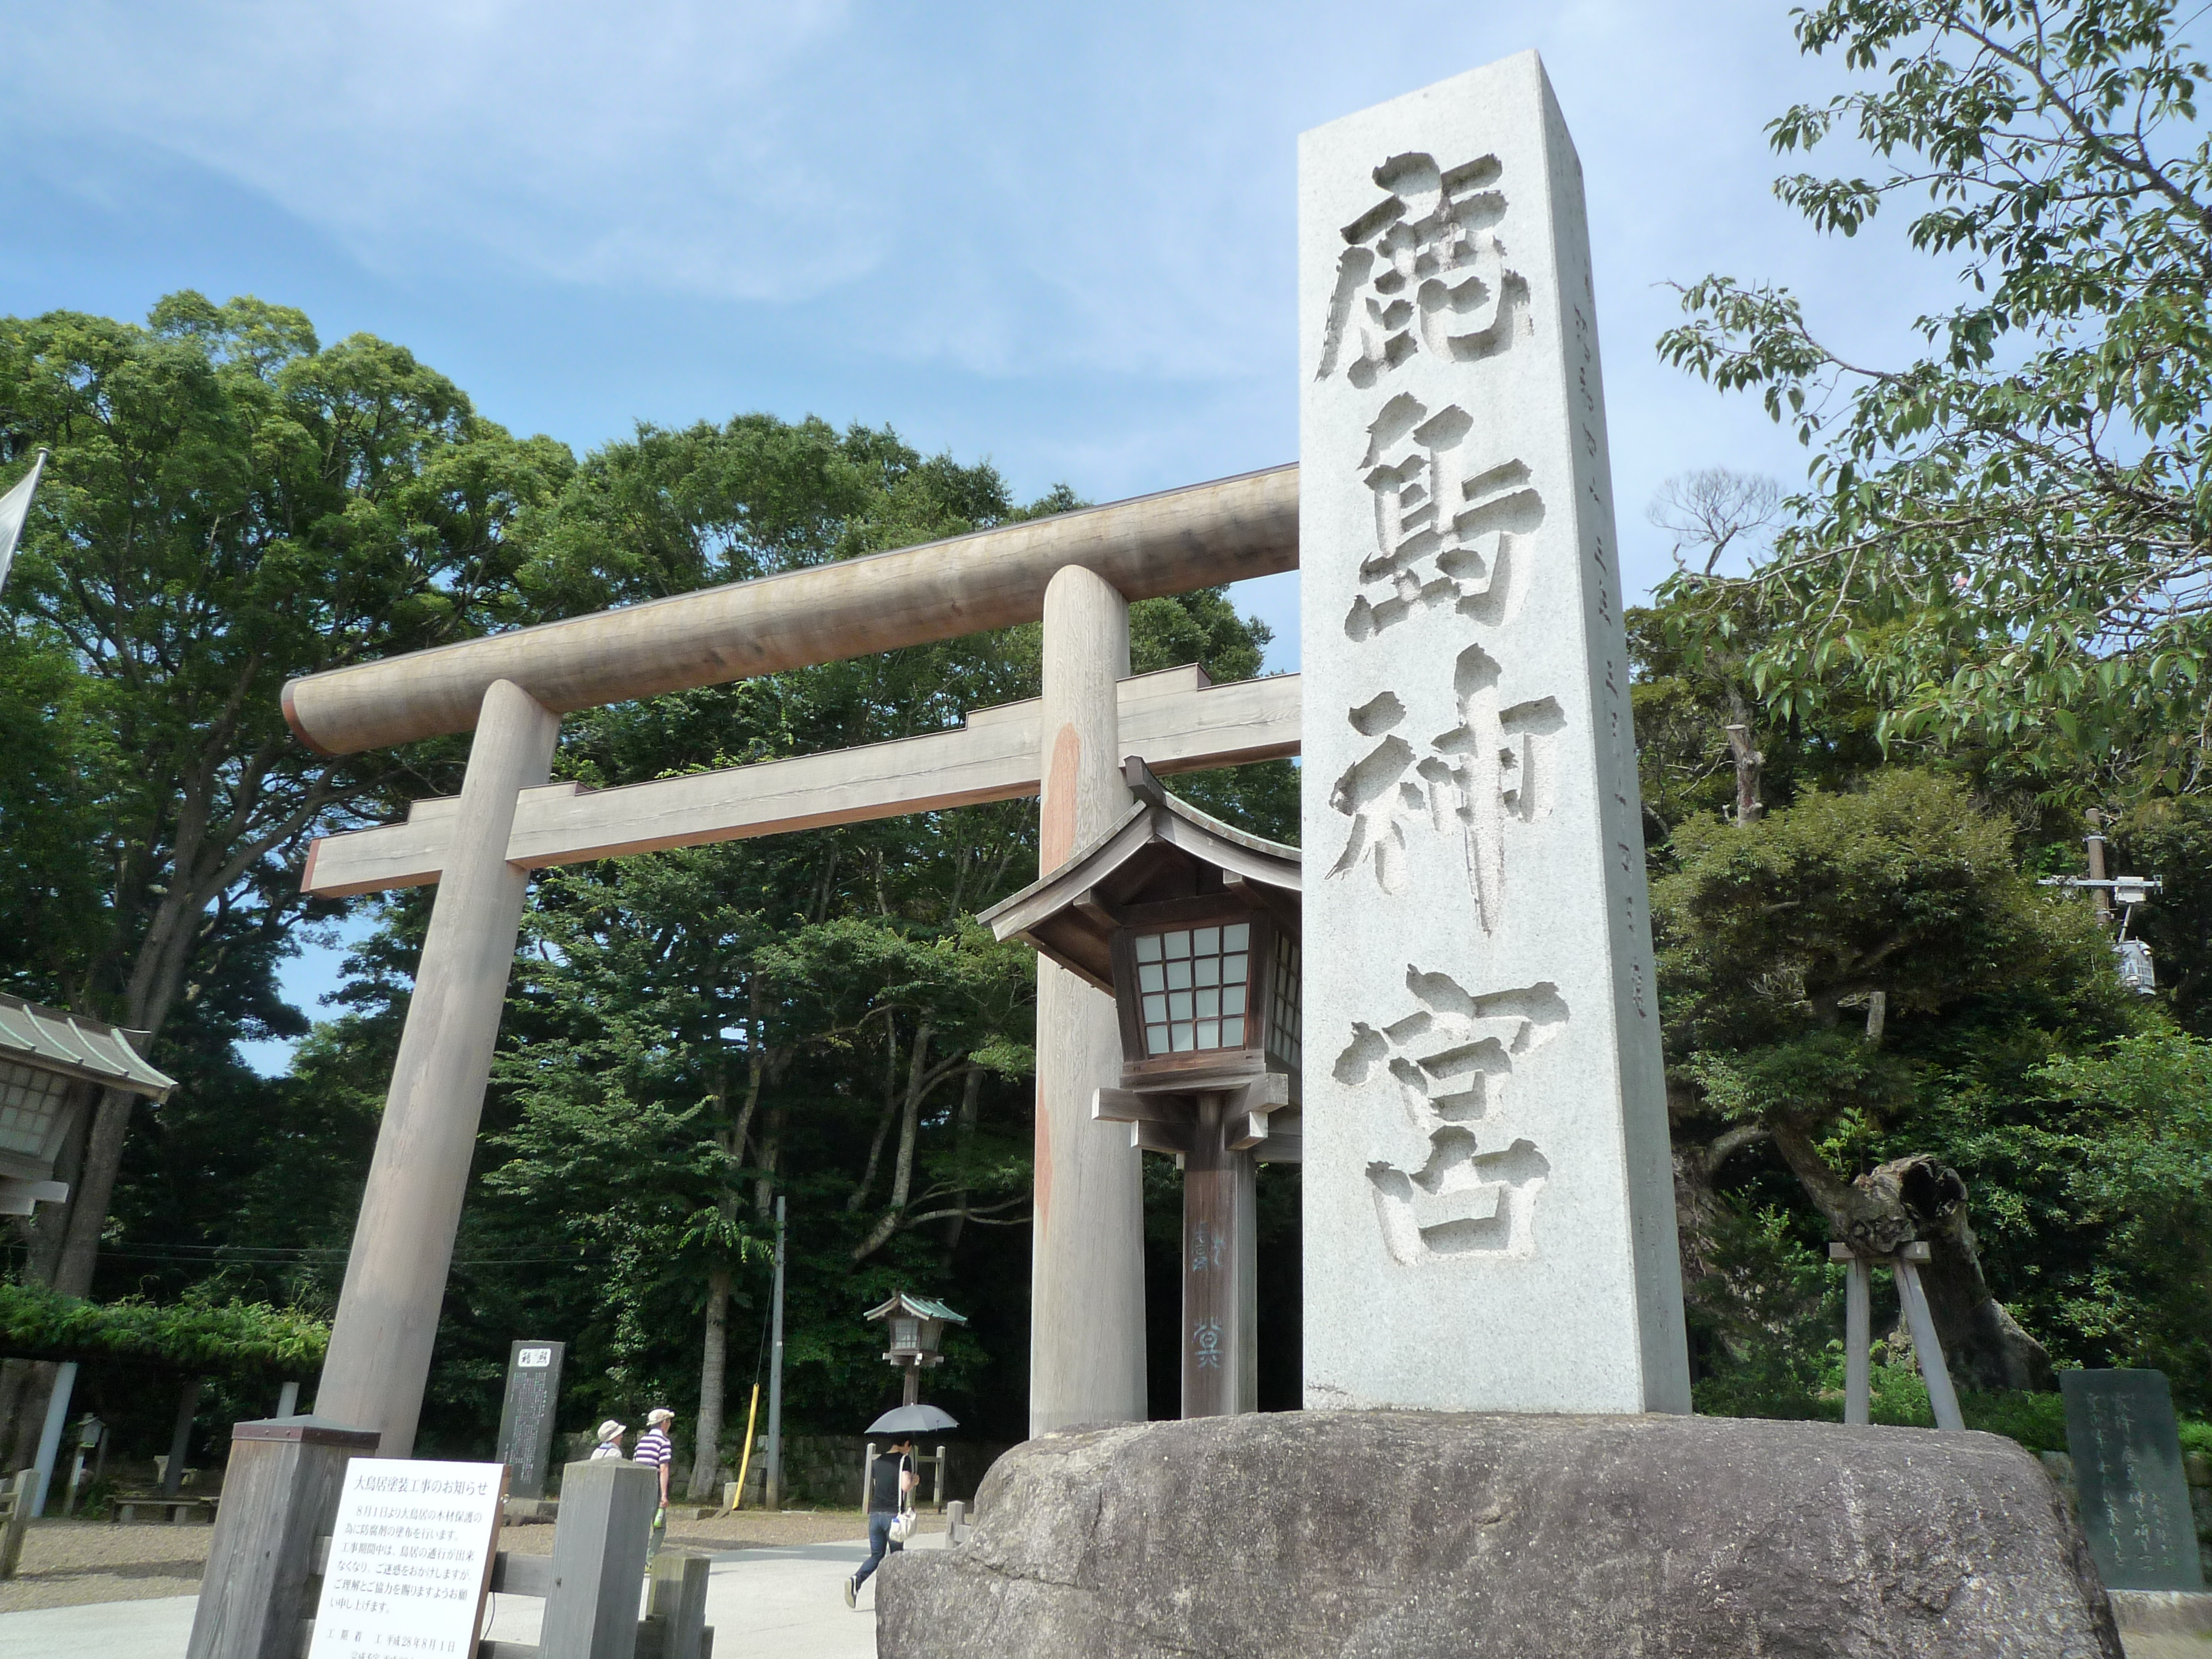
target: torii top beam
1171 543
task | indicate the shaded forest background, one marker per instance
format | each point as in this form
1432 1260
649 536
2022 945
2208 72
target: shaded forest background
1872 716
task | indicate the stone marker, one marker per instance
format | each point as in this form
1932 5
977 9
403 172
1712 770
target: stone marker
1362 1534
1489 1205
525 1420
2127 1466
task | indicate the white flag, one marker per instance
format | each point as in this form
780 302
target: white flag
14 508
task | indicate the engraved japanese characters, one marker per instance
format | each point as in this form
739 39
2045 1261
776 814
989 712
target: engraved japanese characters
1485 1151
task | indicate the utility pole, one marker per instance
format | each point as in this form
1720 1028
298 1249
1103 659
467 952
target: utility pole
774 1480
2138 972
2094 841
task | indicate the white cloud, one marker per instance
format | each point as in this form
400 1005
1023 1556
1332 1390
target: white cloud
1086 210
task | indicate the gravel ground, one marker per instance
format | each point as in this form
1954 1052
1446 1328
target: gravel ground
67 1563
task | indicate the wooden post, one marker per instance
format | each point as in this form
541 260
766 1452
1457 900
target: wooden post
1087 1269
676 1608
2094 843
1858 1342
18 1520
403 1243
1926 1346
598 1558
180 1437
280 1493
1220 1281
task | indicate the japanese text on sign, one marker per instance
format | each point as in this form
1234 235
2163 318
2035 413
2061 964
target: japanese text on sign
411 1557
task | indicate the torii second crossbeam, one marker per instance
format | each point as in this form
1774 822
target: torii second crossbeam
1175 719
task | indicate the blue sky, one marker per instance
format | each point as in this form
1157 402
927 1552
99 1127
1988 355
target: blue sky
1058 237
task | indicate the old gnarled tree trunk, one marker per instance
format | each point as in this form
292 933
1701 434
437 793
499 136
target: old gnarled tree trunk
1917 1198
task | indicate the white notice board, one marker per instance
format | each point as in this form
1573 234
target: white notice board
411 1560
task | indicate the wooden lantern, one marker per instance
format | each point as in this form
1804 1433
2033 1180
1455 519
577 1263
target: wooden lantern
1192 927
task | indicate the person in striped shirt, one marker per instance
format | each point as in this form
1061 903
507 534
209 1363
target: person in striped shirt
653 1447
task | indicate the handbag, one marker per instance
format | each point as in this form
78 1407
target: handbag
906 1521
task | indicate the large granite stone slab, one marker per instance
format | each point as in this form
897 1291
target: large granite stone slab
1489 1202
1411 1534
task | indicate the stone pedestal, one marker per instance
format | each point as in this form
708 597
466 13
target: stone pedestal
1411 1534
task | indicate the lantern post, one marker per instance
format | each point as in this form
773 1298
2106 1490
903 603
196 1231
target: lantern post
1193 926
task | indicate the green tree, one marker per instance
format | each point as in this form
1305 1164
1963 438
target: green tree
2008 537
1830 973
229 503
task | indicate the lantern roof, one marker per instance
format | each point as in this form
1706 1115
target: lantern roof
1163 848
918 1307
48 1040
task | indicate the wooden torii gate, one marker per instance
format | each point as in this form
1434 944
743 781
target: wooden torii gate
1078 572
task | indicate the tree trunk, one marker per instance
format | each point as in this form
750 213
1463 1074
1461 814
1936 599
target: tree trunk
921 1079
1698 1208
963 1149
1748 761
771 1157
884 1120
713 1370
1916 1199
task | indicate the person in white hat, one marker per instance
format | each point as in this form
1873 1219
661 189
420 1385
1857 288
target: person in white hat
610 1446
653 1447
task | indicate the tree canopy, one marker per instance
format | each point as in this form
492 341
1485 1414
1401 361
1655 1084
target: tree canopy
2007 538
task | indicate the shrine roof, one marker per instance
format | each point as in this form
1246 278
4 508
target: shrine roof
1162 849
919 1306
49 1039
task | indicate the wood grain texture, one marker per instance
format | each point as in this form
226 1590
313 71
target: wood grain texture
1171 542
1087 1266
403 1243
598 1560
1174 718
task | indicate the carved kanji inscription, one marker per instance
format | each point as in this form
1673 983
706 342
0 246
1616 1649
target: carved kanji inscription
1450 1061
1424 271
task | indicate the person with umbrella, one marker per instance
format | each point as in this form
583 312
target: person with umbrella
891 1486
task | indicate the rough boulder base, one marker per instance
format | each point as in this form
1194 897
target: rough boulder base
1367 1534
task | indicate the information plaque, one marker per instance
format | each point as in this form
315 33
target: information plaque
411 1560
526 1415
2127 1465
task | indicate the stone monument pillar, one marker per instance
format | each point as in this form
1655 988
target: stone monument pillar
1489 1212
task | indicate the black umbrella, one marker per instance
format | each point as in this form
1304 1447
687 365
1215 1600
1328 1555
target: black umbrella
912 1419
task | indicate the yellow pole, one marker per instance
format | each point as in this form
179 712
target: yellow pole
745 1462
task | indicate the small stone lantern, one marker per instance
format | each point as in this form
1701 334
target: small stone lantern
1192 927
52 1065
915 1327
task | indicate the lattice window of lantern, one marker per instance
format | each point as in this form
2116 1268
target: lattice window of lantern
906 1335
1284 1031
29 1101
1193 981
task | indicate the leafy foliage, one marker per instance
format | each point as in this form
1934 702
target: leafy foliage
2009 538
195 1335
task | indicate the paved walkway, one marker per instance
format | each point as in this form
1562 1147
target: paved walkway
783 1602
